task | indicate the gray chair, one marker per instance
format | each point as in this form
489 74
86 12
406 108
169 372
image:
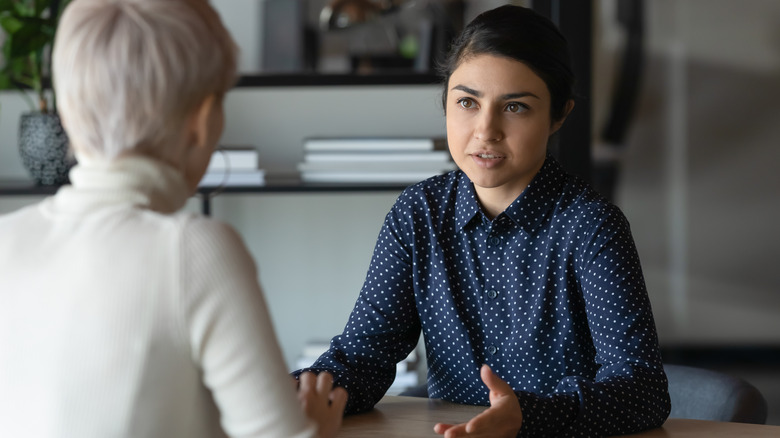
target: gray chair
702 394
699 394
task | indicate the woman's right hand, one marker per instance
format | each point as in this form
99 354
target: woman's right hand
321 402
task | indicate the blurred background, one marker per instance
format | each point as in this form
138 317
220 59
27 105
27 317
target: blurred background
683 135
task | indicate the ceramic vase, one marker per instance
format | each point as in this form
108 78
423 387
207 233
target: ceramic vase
44 148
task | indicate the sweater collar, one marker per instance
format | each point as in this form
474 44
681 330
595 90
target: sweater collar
134 179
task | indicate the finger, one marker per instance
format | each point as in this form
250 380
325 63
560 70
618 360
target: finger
338 399
478 423
449 430
307 380
440 428
457 430
324 383
493 382
306 385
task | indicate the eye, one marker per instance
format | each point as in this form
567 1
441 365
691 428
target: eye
466 103
516 107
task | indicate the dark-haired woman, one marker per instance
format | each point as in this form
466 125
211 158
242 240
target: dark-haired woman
525 283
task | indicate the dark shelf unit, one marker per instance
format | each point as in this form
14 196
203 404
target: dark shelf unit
316 79
206 194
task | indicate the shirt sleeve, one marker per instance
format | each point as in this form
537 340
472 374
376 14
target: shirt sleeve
629 393
232 340
383 327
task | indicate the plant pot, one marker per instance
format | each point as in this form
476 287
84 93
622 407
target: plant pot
44 148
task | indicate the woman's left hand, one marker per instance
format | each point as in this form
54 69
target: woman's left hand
502 419
322 402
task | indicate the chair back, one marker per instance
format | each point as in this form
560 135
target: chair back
702 394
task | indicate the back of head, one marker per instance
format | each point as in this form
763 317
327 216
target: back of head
127 73
523 35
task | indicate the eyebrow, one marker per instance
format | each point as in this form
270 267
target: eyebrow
504 97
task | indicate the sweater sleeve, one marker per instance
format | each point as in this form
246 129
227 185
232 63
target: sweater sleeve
226 322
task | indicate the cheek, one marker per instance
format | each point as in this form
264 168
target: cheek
458 131
530 134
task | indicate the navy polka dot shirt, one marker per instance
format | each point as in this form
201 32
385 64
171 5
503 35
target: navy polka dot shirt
549 293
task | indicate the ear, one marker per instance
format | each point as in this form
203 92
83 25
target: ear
556 125
199 121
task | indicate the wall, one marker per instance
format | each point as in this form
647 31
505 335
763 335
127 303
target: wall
700 183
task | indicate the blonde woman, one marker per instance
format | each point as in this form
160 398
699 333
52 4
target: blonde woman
118 316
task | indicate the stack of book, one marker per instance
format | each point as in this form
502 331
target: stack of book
373 160
233 166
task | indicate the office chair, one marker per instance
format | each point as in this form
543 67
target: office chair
699 394
702 394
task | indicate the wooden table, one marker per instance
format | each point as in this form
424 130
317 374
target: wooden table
411 417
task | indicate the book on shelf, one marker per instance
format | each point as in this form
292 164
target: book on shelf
373 144
401 177
234 158
319 157
376 166
232 177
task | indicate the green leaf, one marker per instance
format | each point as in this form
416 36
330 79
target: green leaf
24 8
32 37
6 5
10 24
5 81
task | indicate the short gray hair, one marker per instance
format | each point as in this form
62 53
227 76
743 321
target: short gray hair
127 73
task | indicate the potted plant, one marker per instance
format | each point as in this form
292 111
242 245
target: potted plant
29 27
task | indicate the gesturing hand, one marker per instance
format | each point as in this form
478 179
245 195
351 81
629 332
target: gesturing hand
321 402
502 419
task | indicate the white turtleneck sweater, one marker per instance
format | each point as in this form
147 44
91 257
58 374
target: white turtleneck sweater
120 318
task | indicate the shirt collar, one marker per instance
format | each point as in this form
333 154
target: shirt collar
466 205
528 210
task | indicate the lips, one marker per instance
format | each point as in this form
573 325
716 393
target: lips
487 159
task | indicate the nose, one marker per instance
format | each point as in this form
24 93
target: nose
488 128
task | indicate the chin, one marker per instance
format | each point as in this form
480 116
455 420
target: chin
484 182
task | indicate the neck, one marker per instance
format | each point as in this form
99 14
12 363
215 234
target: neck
143 180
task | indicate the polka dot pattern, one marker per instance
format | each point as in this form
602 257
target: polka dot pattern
549 293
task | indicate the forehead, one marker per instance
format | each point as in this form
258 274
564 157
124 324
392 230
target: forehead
495 75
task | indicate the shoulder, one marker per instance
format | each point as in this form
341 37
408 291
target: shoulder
582 202
210 241
204 229
433 192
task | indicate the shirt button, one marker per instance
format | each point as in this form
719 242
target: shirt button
494 241
492 293
492 349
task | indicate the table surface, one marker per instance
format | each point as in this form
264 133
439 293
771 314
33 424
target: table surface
411 417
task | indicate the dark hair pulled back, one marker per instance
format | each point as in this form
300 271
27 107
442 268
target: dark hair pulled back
521 34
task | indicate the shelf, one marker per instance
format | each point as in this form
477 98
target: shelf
321 79
281 185
206 194
24 188
312 79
